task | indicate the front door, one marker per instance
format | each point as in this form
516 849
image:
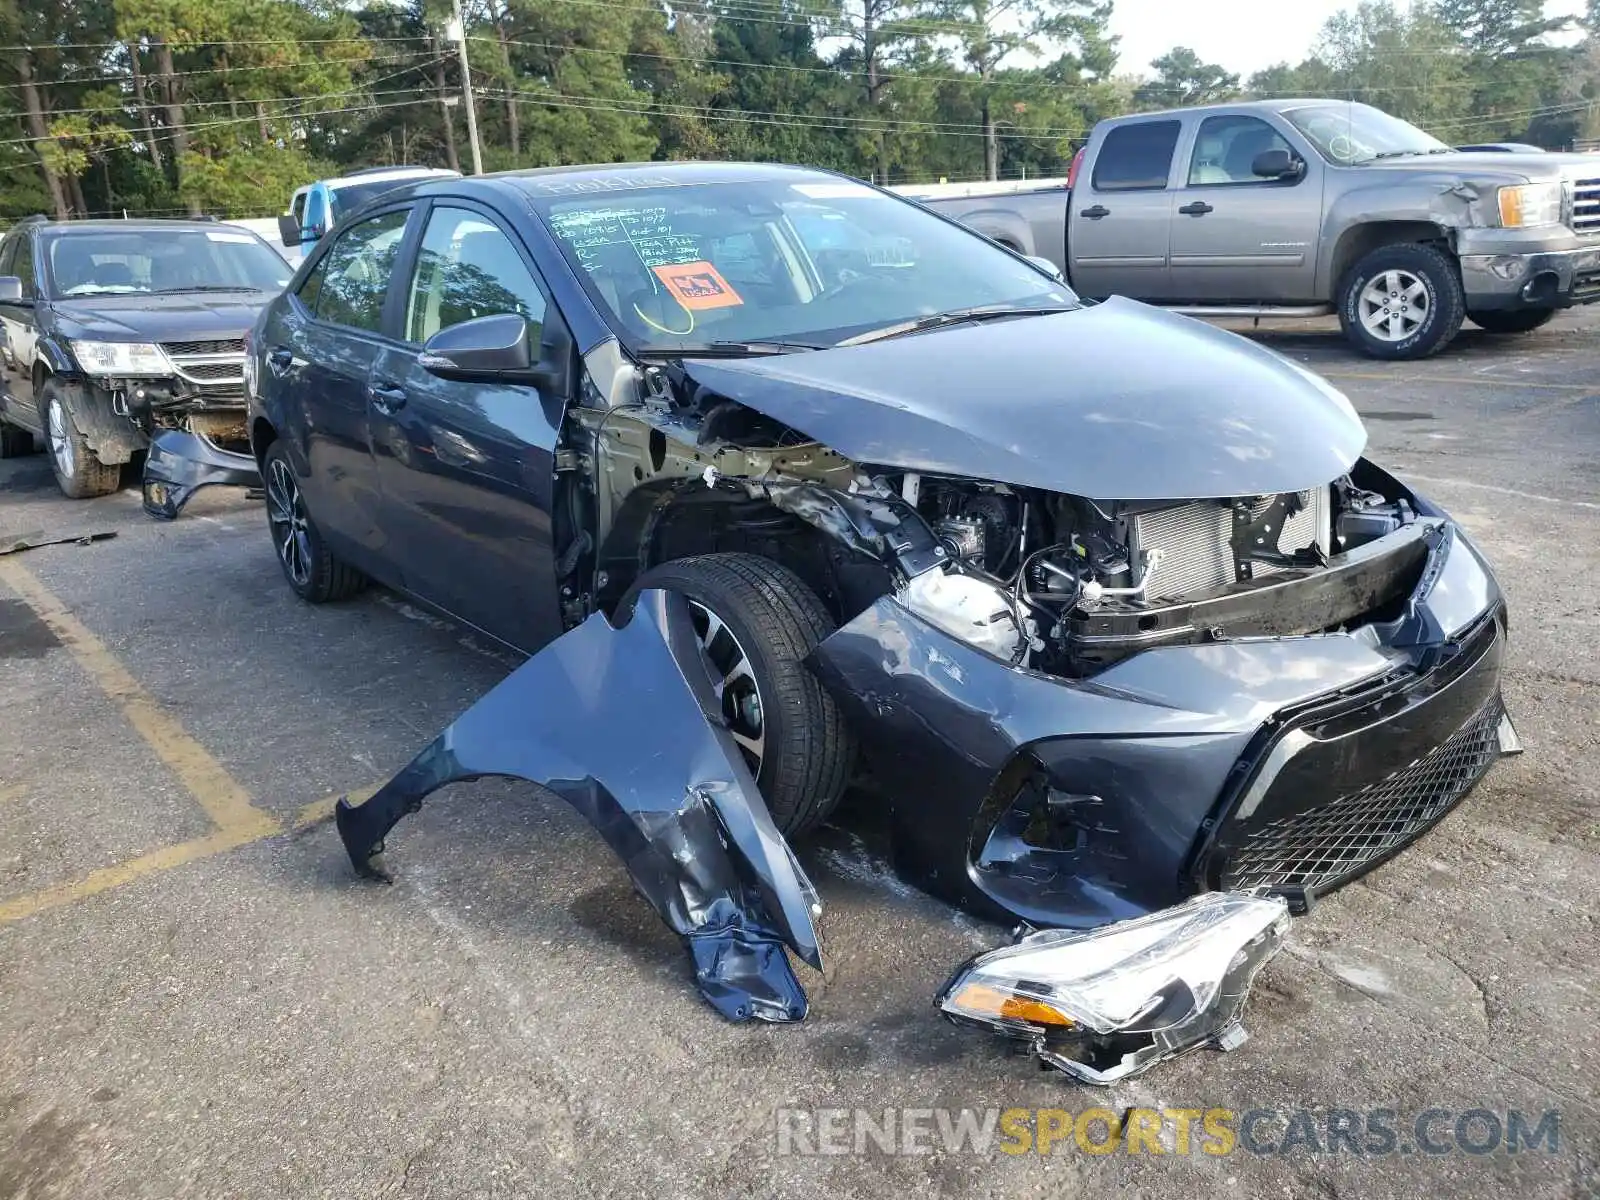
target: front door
1120 218
20 323
322 353
1238 238
467 469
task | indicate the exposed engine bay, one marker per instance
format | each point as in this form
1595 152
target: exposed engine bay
1040 580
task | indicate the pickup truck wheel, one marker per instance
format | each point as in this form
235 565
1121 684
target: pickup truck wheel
313 572
1511 320
757 621
15 442
1402 301
79 473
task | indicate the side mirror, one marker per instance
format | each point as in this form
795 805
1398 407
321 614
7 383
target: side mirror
10 289
1048 267
1277 164
498 349
288 230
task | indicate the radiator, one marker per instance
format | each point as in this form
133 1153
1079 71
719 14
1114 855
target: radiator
1197 553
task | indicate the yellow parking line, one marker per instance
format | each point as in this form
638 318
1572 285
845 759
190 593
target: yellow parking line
109 877
319 811
224 800
1464 380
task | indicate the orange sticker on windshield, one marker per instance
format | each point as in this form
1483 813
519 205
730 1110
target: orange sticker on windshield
698 285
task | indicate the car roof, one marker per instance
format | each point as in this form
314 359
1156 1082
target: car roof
1232 106
133 225
379 174
539 183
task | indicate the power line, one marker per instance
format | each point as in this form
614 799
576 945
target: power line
328 112
127 76
180 47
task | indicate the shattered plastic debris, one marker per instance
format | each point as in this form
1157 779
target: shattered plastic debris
16 544
682 810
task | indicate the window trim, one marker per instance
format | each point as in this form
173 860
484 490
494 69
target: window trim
412 250
1166 184
1194 149
325 247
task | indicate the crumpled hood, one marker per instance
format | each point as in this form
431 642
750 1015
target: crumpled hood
143 317
1117 401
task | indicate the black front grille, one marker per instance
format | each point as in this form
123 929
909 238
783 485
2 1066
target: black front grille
1320 848
206 372
225 346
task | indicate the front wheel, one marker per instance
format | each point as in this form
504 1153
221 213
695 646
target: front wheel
1511 320
313 572
1402 301
79 474
757 621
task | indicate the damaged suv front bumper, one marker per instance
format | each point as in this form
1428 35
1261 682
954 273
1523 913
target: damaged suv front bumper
180 463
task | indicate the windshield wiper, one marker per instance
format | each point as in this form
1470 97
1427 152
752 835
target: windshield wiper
205 287
725 349
957 316
1398 154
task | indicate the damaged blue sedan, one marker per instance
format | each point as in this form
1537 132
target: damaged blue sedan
788 485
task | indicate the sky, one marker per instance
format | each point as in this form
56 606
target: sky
1242 35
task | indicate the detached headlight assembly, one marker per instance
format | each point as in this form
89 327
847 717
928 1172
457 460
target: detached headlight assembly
1110 1004
121 358
1530 204
966 607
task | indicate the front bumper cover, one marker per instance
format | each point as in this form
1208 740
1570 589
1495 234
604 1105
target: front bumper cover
181 463
1548 279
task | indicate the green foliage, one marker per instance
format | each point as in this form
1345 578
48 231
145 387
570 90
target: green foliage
166 106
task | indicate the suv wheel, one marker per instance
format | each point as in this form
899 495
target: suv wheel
78 472
1512 320
1402 301
757 621
311 569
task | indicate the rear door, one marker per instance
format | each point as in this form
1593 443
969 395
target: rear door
467 469
320 357
1120 217
1238 238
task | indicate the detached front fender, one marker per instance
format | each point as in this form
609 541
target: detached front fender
623 725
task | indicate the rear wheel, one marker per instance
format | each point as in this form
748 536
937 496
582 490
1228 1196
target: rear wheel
1402 301
1512 320
79 473
757 621
313 572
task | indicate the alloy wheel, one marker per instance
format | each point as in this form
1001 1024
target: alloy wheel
1394 305
61 440
286 515
733 682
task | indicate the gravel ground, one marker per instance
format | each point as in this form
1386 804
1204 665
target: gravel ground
197 1005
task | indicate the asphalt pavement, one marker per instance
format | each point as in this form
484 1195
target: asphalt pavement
197 998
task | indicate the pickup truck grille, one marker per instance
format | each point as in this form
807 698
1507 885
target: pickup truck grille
1197 541
1586 206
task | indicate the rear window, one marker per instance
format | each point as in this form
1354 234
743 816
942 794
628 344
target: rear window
1136 156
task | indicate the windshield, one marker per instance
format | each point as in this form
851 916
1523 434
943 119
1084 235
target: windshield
809 262
164 260
1351 134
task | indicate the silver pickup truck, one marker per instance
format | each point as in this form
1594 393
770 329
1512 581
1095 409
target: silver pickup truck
1295 208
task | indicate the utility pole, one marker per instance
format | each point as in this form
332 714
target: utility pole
457 31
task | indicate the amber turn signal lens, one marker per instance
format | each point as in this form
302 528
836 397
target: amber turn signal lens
981 1000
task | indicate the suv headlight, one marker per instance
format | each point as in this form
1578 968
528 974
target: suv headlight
121 358
1530 204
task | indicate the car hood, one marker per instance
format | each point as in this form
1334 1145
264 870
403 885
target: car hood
142 317
1115 401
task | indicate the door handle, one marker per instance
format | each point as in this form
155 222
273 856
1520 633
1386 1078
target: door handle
1198 209
1095 213
280 359
386 398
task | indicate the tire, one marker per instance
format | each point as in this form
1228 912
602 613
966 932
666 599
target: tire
79 473
313 572
1512 320
1409 276
16 441
771 620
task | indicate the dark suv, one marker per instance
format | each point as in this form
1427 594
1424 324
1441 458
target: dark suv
115 330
